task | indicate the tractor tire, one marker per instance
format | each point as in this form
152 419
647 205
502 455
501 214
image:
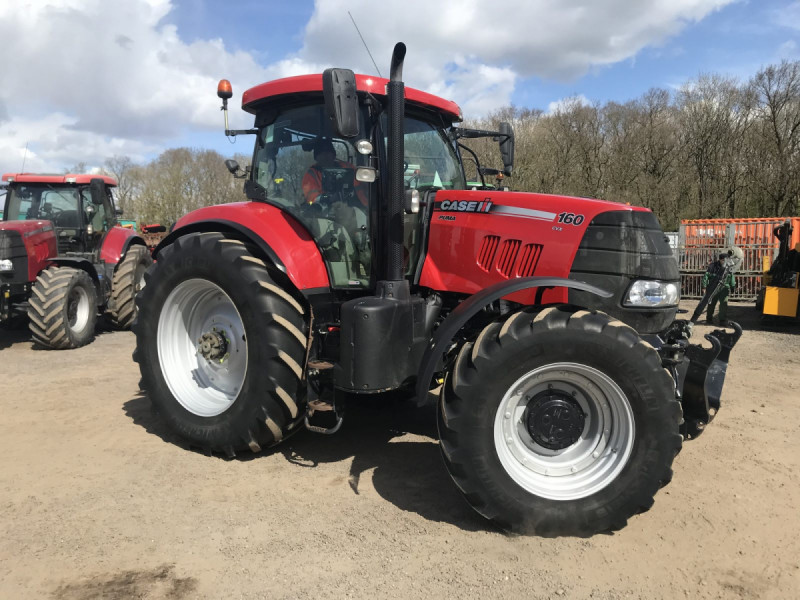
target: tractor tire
559 421
221 345
128 281
63 308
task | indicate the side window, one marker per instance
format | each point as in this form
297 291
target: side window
307 171
95 214
61 207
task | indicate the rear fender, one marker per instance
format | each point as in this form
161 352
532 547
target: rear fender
116 244
278 236
432 359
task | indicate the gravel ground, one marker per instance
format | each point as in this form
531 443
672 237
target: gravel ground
97 500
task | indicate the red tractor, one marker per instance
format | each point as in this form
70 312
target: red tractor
545 324
64 259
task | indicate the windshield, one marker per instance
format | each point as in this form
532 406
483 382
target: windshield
430 160
34 201
306 170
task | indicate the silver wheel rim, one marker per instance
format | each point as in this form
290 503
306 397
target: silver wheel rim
78 309
587 465
205 386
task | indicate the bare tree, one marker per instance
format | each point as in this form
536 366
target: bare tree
775 173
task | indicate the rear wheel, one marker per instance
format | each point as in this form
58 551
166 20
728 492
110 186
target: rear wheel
128 281
221 345
63 308
559 422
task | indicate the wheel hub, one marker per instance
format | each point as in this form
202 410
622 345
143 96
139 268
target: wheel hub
213 345
555 419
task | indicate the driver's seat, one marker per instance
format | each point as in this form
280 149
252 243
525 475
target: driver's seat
68 219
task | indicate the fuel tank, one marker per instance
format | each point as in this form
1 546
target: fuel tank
480 237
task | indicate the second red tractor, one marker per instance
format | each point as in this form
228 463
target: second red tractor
64 260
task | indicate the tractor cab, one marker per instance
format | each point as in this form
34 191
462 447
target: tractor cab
331 183
336 183
79 207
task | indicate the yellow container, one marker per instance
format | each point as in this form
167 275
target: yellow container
781 302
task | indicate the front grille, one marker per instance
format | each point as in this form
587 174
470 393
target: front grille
11 245
13 248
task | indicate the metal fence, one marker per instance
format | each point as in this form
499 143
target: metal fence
700 242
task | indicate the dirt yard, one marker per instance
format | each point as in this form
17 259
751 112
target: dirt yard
98 501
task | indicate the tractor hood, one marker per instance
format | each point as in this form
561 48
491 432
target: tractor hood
26 228
481 237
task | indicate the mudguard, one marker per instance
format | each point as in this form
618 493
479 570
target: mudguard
474 304
102 283
275 232
116 244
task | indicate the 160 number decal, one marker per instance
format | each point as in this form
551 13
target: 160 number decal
570 218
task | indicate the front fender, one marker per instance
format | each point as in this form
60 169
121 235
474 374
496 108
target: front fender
472 306
275 232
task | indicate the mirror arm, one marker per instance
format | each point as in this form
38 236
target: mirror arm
235 132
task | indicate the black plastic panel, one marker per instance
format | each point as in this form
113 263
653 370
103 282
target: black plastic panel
617 248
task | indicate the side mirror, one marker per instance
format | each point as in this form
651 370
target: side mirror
235 169
97 189
507 147
341 101
118 212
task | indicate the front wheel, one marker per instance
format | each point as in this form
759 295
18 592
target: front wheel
63 308
221 345
559 422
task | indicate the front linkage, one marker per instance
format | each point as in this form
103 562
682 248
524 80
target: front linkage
699 372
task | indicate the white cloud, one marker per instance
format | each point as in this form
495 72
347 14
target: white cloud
545 38
90 78
787 16
788 50
567 104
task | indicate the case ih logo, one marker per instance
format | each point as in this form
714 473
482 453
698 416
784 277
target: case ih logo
487 206
483 206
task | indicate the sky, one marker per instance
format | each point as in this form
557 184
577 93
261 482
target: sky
85 80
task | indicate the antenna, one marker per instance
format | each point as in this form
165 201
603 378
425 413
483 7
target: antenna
365 43
24 156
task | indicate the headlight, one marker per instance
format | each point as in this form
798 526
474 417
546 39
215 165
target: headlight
6 266
652 294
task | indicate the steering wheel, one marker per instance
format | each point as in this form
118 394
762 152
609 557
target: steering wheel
52 213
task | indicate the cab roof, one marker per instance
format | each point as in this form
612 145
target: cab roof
364 83
76 178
